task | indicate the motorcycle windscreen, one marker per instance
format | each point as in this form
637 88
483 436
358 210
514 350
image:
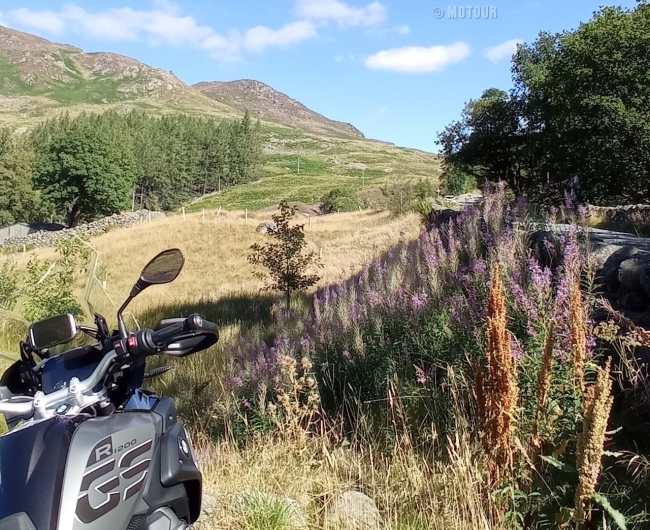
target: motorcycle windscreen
32 466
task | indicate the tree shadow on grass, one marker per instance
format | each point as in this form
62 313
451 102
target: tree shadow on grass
248 311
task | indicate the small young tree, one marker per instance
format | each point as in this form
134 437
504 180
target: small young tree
286 260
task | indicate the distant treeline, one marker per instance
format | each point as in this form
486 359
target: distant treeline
580 106
77 169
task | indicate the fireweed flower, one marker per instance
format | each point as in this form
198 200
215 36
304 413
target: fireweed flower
420 377
348 357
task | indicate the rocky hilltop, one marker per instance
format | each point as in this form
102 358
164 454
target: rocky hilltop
38 76
267 103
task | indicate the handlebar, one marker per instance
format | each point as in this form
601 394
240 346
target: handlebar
78 393
149 342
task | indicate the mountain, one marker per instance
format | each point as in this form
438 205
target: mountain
39 77
36 73
266 103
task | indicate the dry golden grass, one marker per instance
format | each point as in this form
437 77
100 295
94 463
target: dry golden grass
216 254
410 492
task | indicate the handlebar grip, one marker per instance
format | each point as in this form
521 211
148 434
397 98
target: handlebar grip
164 335
149 342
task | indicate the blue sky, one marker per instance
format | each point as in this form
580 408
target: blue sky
390 67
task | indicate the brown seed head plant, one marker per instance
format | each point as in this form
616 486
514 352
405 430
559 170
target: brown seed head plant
499 391
578 337
543 387
597 406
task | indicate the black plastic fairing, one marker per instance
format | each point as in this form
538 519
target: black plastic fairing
32 466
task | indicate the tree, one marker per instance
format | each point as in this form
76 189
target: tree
286 261
19 202
580 106
84 174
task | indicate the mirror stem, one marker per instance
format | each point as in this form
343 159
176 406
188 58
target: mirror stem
120 319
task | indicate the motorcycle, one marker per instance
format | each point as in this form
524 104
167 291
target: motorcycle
87 447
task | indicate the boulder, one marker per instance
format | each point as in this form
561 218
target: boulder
353 510
264 228
631 270
610 270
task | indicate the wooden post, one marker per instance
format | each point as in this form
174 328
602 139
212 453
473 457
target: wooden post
218 211
183 213
320 253
104 284
24 249
310 221
133 202
246 215
149 216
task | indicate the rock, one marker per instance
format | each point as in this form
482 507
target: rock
261 503
264 228
601 254
353 510
546 245
610 269
631 270
636 301
208 506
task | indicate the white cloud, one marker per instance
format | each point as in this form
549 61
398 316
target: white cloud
404 30
505 50
44 20
340 12
163 25
414 59
260 38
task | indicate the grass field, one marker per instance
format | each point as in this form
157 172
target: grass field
218 282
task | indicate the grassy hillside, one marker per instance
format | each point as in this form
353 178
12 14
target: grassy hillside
303 167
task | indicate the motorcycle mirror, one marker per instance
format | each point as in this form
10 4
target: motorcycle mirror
163 268
52 332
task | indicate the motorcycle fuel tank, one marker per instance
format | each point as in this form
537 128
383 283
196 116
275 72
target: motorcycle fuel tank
74 475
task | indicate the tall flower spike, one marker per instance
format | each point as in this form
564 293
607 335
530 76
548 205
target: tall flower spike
597 407
543 386
500 388
578 336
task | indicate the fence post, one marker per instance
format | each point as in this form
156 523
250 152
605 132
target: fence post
320 253
104 284
24 249
183 213
218 211
246 215
149 216
310 221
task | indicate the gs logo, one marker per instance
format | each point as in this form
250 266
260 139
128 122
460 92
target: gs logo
123 474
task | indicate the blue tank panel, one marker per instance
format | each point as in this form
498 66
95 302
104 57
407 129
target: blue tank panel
32 467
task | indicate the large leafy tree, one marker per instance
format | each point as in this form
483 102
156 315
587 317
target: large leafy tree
580 106
85 174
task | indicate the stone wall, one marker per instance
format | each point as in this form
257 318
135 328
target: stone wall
637 214
47 239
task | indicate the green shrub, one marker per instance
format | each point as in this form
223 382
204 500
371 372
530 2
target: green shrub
341 200
407 197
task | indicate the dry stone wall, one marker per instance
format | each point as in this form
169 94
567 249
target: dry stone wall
47 239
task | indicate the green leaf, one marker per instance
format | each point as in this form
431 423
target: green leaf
562 466
616 516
